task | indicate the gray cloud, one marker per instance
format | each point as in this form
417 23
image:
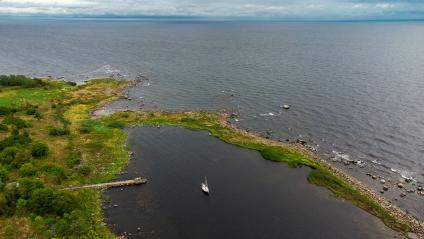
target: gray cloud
327 9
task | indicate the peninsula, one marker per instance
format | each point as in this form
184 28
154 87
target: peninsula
50 142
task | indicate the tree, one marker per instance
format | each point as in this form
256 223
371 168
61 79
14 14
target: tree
7 156
3 204
75 223
11 193
29 185
3 175
27 170
41 200
46 200
39 150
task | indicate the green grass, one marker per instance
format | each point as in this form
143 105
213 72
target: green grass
94 151
269 150
12 96
323 177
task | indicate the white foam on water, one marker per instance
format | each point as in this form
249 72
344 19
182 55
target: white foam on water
404 173
267 114
341 156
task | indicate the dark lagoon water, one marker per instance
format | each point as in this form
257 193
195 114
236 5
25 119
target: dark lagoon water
250 197
355 88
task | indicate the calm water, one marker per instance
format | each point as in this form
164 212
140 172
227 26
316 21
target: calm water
250 197
356 89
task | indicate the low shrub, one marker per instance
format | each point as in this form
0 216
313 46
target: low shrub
59 131
16 121
46 201
20 80
39 150
116 124
3 128
27 170
84 170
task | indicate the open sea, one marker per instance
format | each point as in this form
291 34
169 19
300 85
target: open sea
356 89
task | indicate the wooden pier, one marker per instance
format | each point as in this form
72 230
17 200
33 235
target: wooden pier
135 181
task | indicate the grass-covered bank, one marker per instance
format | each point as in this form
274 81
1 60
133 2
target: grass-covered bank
49 140
294 155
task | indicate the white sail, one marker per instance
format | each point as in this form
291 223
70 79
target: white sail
204 186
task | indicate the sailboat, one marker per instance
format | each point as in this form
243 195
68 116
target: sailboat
204 186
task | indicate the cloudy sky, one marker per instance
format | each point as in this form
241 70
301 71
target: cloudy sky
284 9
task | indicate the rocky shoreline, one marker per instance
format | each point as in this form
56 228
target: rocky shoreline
417 226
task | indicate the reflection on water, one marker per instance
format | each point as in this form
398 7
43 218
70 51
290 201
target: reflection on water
250 197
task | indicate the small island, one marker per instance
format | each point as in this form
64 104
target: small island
50 143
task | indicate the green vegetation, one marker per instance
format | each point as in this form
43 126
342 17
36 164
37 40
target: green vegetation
39 150
20 80
35 155
34 114
59 131
270 150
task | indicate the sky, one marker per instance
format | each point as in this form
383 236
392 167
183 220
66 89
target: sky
273 9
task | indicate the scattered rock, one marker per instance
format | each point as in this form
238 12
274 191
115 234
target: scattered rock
408 180
400 185
410 191
412 235
420 188
301 141
381 191
115 205
385 188
138 228
374 177
402 195
368 174
382 181
286 107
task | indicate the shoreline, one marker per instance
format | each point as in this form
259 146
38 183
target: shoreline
98 141
356 192
390 214
416 225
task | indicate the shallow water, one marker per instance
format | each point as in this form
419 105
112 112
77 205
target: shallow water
250 197
355 88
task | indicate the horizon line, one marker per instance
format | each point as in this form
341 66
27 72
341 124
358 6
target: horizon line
204 18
